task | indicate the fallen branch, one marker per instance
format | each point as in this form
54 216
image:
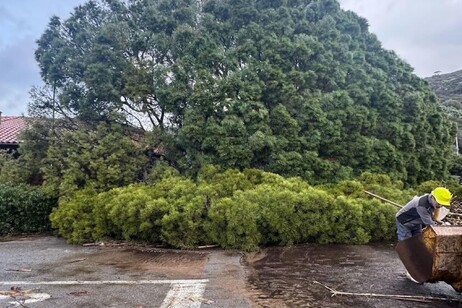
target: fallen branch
79 293
201 300
23 270
391 296
383 199
77 260
14 292
207 246
92 244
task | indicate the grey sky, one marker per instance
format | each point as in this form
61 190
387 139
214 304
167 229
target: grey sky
21 24
425 33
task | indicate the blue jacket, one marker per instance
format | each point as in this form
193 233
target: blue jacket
419 211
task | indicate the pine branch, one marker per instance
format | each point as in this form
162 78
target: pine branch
391 296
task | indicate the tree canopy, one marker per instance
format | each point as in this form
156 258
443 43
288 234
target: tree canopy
296 87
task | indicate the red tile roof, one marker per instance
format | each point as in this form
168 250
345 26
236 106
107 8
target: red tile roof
10 127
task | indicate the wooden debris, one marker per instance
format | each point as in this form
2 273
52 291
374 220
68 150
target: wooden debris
207 246
79 293
22 270
201 300
16 291
93 244
414 298
77 260
23 297
383 199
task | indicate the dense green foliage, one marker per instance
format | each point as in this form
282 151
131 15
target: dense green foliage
267 121
299 88
101 159
34 147
233 209
24 209
11 169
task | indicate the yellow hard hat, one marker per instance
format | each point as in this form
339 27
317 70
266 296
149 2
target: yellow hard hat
442 196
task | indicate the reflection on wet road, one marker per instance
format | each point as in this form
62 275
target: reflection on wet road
284 276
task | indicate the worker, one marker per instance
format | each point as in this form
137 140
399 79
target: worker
419 211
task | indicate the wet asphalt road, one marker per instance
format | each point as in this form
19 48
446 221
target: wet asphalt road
299 277
129 275
117 276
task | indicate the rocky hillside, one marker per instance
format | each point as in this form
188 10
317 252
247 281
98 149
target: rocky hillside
448 87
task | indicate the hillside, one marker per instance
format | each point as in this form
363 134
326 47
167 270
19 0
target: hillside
448 87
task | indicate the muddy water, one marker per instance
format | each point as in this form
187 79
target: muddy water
286 277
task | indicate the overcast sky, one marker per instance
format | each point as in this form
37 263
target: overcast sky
425 33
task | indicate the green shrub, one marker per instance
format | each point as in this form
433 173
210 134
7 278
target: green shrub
104 227
233 209
313 210
233 223
24 209
134 213
379 219
183 224
427 187
343 223
351 189
12 170
161 170
74 217
455 188
103 158
386 187
276 215
225 184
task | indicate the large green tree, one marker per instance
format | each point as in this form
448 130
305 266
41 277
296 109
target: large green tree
298 87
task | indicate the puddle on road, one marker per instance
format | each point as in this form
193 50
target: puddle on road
284 277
